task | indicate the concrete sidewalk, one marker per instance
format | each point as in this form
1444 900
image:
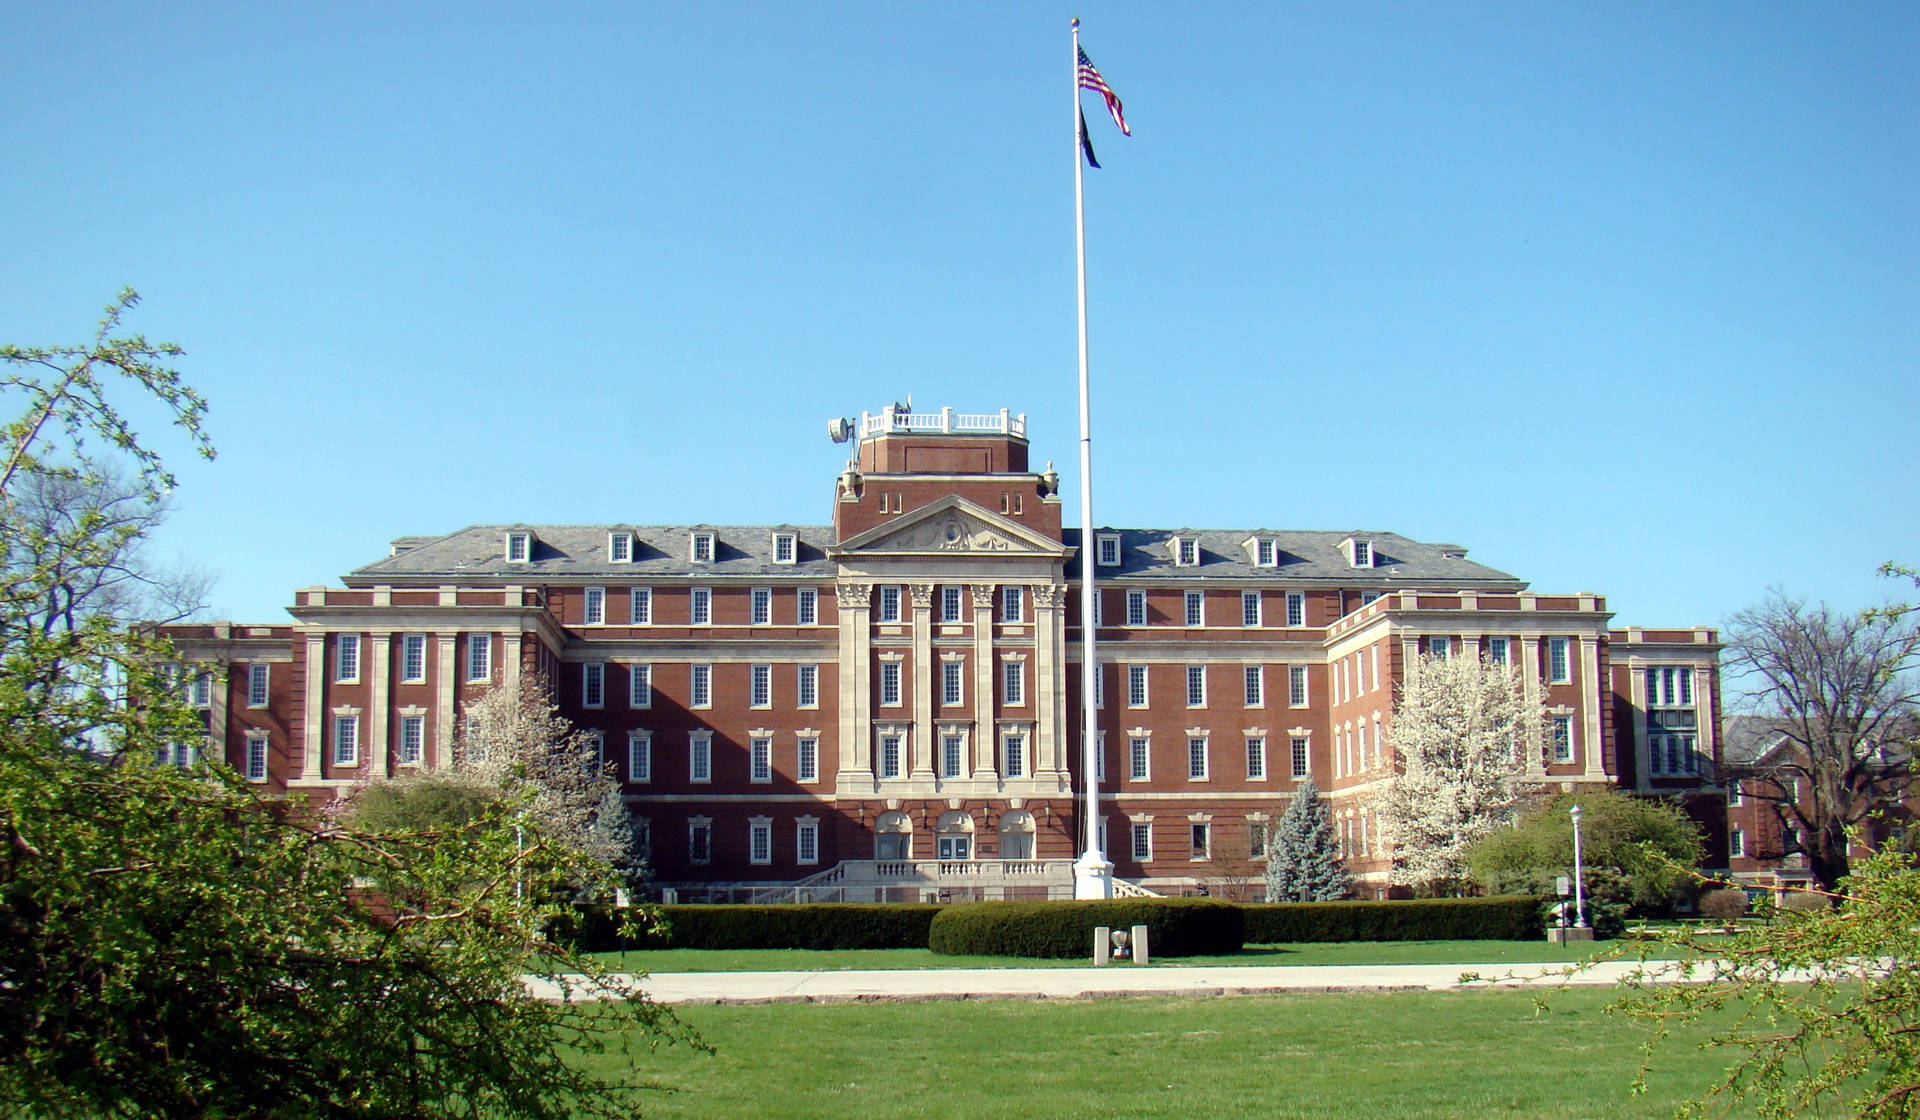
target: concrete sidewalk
1085 983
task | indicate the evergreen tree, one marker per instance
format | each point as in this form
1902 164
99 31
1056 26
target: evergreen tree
1303 855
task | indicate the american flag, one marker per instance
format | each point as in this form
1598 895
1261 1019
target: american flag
1090 79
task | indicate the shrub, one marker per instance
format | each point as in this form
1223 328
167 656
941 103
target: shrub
822 926
1806 902
1502 918
1723 905
1176 927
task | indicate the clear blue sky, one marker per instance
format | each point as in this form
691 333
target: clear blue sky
1623 297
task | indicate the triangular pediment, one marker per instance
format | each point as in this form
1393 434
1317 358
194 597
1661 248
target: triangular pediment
950 525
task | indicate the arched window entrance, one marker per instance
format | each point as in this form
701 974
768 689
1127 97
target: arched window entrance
955 836
1016 835
893 837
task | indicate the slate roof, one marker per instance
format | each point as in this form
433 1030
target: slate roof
561 551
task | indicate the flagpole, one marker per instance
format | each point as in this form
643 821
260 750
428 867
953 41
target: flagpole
1092 873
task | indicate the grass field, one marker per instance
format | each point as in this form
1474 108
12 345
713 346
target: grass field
1331 953
1413 1055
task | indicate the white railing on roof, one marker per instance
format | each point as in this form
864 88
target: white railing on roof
894 419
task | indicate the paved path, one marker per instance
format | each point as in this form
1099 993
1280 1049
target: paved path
1088 983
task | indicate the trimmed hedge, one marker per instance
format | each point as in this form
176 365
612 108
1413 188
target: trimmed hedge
1176 927
814 926
1501 918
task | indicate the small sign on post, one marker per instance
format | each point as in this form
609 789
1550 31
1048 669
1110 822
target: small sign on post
1562 886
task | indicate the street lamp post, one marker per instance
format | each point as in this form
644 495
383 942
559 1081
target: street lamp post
1579 895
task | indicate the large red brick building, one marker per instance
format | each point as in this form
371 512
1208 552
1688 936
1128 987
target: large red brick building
887 706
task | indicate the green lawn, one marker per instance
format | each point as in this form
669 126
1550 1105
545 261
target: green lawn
1330 953
1431 1056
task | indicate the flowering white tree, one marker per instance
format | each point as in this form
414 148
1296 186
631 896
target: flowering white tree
1462 730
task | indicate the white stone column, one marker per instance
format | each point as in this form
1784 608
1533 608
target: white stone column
510 672
378 703
855 777
316 697
986 748
1530 678
1048 692
1590 693
924 680
447 670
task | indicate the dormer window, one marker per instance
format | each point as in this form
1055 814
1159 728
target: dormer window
1359 552
1108 545
1186 552
1264 552
702 547
519 547
786 548
619 547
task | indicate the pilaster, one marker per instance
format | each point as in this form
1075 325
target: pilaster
923 682
378 720
311 745
986 747
855 776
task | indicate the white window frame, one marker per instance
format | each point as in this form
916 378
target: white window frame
1498 651
888 609
639 756
593 684
806 841
760 758
619 547
806 610
1014 762
1256 758
413 658
700 840
1196 686
1266 553
640 606
1200 840
700 757
1735 798
806 766
1559 661
1196 609
952 606
1737 843
760 685
1136 608
806 686
700 606
519 548
1141 836
1013 604
1298 684
786 548
1107 546
258 748
953 683
1300 755
1199 763
701 547
1139 757
889 755
1137 694
479 658
700 685
593 606
1013 683
640 685
1253 680
260 681
1361 553
1250 608
760 606
1296 608
891 694
346 658
346 740
953 753
1438 647
1560 737
413 739
1186 552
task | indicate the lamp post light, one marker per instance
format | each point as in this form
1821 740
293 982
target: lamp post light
1579 895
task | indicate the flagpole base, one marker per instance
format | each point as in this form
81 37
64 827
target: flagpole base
1092 876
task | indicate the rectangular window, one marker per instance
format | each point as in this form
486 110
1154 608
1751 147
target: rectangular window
1142 841
593 685
1015 746
952 755
807 609
1189 552
1560 733
1438 647
807 765
1109 551
1202 838
256 757
1497 650
413 658
639 686
1196 613
699 842
1012 605
1737 843
1264 553
1296 608
258 680
639 756
953 675
1249 608
346 740
413 739
1255 680
1297 686
890 684
1558 670
1136 686
700 606
1197 758
641 611
889 604
807 695
890 756
950 603
806 842
700 757
1014 675
619 548
346 657
1136 608
701 546
760 749
1256 840
1363 554
1256 758
519 547
785 548
761 599
700 686
1196 686
598 765
760 686
1301 764
1139 758
759 842
1734 796
479 657
593 606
